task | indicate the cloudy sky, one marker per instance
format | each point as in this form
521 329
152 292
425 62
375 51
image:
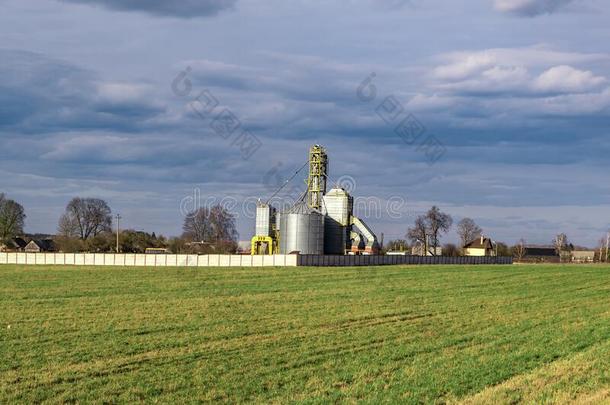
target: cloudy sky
494 109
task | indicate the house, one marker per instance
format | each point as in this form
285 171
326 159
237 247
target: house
540 255
583 256
39 246
13 245
419 250
481 246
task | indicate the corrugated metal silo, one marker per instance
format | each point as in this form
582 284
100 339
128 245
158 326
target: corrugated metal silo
338 207
265 215
302 230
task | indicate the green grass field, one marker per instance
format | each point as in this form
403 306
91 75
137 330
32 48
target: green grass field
483 334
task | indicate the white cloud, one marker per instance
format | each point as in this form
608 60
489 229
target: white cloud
122 92
462 64
568 79
465 66
493 80
533 71
530 8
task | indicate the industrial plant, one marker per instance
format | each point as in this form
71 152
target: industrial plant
319 223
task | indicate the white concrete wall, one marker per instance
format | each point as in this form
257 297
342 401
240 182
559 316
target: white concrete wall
111 259
128 259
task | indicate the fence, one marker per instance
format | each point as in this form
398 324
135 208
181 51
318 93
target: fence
312 260
121 259
126 259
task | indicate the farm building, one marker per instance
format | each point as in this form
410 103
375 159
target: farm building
480 247
540 255
13 245
419 250
583 256
39 246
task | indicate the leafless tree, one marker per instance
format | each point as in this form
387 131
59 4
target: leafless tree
603 249
12 218
468 230
419 232
519 250
438 223
85 218
429 227
561 244
210 225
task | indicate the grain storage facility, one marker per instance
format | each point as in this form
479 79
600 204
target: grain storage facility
320 223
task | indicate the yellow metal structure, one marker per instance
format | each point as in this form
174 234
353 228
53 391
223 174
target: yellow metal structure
263 245
316 181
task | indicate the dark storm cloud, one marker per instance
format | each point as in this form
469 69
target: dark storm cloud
164 8
42 94
524 116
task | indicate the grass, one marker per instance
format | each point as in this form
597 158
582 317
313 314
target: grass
481 334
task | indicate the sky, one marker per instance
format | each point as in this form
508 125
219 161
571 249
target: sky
498 110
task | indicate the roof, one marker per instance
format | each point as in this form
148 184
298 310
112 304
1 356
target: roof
301 208
16 243
43 244
485 243
337 191
540 251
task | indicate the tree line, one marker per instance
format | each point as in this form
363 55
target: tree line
87 226
427 230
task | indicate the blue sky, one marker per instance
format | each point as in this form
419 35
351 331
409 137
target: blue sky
517 92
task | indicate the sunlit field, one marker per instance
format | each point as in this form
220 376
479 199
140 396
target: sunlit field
479 334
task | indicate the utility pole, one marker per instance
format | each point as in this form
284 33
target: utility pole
607 243
118 229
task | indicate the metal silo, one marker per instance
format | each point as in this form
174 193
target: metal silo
265 220
302 230
338 207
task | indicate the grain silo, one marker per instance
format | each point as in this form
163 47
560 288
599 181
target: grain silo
265 219
302 230
320 223
338 207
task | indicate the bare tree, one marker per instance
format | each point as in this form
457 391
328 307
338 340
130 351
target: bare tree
428 229
438 223
561 244
419 232
519 250
85 218
468 230
12 218
603 249
210 225
197 225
